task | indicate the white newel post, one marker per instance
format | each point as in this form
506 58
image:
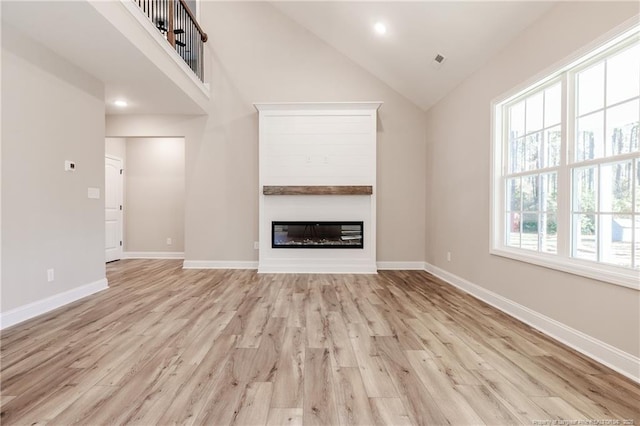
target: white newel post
313 145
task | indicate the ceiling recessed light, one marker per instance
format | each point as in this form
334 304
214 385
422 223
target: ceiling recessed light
120 103
380 28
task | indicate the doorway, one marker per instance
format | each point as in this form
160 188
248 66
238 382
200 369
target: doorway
153 194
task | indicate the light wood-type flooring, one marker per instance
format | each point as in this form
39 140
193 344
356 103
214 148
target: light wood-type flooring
166 346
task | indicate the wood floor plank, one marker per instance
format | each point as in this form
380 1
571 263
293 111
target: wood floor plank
374 320
487 405
285 417
376 379
558 407
339 341
319 393
421 406
164 345
453 406
220 406
79 412
521 406
407 339
289 383
284 302
352 400
132 393
157 402
76 386
329 297
317 323
19 407
192 393
347 308
254 407
197 348
161 335
252 333
389 412
264 365
600 391
296 316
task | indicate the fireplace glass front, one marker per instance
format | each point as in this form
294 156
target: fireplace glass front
317 234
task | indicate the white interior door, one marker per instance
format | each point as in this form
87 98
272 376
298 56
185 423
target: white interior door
113 208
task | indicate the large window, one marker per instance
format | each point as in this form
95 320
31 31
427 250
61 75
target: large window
566 190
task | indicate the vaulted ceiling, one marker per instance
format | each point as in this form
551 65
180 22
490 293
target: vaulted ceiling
466 33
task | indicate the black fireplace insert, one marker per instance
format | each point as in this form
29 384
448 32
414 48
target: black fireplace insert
317 235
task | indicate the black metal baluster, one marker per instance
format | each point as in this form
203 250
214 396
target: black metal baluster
184 35
196 43
179 26
196 54
190 44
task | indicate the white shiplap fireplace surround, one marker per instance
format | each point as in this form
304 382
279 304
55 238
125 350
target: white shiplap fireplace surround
311 148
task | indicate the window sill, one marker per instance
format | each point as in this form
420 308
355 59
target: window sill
606 273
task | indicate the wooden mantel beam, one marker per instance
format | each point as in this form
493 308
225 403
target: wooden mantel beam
318 190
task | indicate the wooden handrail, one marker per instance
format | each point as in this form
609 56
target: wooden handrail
203 35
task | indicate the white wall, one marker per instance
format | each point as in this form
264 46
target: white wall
259 55
154 182
116 147
52 112
458 167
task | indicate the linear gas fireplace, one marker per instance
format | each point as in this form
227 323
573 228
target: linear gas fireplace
317 235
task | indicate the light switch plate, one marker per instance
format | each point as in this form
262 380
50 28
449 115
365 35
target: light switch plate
93 193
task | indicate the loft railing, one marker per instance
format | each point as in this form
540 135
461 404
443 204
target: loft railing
177 23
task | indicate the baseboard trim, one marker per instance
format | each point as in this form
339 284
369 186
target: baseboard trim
222 264
614 358
219 264
317 269
34 309
153 255
400 266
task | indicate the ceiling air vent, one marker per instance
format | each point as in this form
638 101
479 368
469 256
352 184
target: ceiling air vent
438 60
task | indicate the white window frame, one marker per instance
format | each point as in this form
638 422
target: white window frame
561 261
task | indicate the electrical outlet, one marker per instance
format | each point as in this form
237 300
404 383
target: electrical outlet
169 241
256 245
448 256
50 275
